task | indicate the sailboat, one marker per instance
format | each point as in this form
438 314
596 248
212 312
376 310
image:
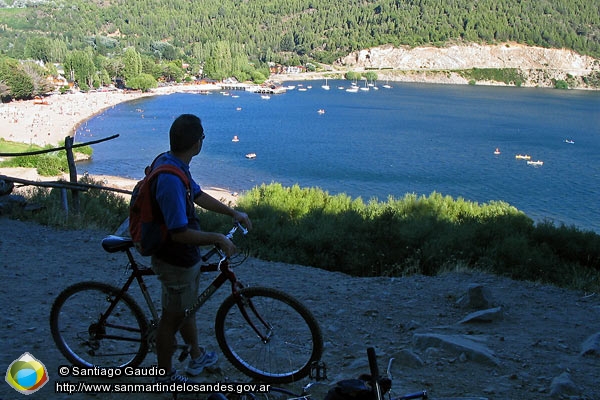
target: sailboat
387 86
366 88
325 86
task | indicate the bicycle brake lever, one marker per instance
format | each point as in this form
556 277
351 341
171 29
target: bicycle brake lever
388 371
241 227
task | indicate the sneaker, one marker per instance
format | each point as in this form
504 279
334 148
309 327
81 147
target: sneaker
196 366
173 377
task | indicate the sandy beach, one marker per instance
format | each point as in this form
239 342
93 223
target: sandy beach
60 115
49 121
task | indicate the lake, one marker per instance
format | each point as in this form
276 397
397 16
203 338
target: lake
411 138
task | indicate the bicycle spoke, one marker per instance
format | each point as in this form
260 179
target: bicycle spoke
288 340
86 338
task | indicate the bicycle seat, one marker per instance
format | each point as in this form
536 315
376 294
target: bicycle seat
113 243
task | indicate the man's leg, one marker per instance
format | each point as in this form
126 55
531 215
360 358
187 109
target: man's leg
189 333
165 338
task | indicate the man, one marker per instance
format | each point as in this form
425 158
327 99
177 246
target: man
177 263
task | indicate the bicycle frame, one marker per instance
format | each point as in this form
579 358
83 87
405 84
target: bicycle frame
113 244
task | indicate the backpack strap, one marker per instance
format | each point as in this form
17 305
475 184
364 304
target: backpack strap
170 169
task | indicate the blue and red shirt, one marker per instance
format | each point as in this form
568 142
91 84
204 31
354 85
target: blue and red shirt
178 211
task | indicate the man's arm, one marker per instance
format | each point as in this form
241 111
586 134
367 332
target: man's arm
209 203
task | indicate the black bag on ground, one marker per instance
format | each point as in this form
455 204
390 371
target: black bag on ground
357 389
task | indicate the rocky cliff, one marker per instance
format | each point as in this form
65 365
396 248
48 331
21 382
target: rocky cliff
540 66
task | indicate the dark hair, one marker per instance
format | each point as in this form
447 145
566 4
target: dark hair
185 131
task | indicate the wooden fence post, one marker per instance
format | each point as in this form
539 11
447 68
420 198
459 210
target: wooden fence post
72 171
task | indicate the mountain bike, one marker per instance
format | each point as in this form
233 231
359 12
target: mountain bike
265 333
370 386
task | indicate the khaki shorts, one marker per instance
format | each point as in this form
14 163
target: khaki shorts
179 285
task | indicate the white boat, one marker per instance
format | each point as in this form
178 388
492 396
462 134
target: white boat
569 141
366 88
235 139
265 96
251 156
497 151
302 89
537 163
523 157
387 85
325 86
321 111
352 89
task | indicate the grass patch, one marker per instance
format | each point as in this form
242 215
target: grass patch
48 164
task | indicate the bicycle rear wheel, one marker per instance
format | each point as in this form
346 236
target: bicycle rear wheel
77 330
292 337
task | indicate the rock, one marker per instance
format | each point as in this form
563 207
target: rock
408 359
6 187
477 297
591 346
489 315
457 344
563 385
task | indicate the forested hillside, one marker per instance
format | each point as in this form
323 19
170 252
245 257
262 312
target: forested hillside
146 41
290 31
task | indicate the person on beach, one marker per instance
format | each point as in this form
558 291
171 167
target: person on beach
177 263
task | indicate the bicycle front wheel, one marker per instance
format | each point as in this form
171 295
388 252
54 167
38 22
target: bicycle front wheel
91 329
268 335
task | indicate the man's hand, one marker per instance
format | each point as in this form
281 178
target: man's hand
227 246
242 218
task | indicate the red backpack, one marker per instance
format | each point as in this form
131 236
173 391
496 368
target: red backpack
146 223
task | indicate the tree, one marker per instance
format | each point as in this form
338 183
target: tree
132 63
173 72
81 67
20 85
37 48
142 82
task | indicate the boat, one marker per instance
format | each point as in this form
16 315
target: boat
387 85
235 139
325 86
265 96
353 89
366 88
523 157
321 111
537 163
497 151
302 89
569 141
251 156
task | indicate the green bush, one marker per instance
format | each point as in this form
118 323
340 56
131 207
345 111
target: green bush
414 234
98 209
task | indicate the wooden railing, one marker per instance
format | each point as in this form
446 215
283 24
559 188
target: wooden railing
73 183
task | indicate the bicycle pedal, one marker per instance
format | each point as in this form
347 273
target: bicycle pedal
318 371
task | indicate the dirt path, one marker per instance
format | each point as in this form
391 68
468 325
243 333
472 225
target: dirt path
538 337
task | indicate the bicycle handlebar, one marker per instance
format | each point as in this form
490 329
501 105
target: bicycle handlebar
216 250
374 373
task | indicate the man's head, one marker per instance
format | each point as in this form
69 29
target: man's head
186 131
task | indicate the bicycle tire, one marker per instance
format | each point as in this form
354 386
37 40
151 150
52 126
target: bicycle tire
295 339
80 338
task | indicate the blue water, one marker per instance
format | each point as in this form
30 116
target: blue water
412 138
